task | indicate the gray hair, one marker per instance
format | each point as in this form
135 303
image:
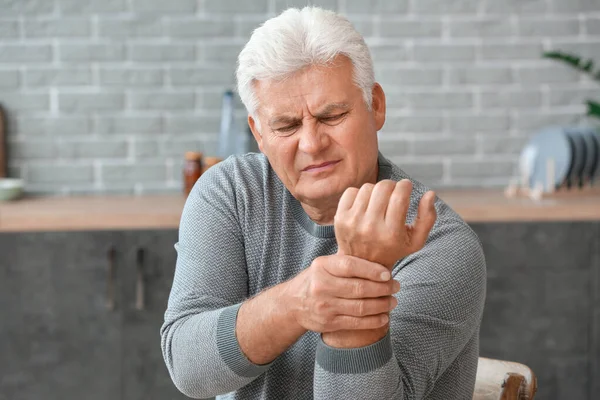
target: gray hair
296 39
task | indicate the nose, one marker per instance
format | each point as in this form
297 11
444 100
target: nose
312 139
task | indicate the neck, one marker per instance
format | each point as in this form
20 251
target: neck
323 213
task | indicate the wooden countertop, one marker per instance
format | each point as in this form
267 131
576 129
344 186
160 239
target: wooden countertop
164 212
91 213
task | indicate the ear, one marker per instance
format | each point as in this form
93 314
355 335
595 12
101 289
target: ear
255 132
378 106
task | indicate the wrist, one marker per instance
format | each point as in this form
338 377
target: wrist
348 339
374 257
287 308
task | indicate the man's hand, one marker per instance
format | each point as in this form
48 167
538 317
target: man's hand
334 292
340 292
370 223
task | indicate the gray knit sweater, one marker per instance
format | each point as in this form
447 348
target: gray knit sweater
242 231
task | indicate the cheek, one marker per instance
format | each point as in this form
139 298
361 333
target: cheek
355 133
280 153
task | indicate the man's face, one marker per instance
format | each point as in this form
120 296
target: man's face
317 132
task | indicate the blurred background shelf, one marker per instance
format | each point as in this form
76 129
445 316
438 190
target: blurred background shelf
164 211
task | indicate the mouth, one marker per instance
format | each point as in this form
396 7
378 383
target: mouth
321 167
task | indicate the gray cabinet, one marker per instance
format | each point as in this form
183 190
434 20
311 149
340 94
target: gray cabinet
542 302
58 340
151 260
59 337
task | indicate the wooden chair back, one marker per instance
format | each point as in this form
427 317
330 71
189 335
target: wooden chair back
504 380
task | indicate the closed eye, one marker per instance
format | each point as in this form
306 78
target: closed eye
287 129
333 118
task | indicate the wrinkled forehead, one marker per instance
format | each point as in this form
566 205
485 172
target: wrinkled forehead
310 89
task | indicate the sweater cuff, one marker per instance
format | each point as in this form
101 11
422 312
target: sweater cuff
354 361
229 347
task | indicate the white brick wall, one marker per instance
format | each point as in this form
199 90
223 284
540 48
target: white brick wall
104 96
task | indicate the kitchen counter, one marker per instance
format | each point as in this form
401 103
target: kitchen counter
91 213
164 211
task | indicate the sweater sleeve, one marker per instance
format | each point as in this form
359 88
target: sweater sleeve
198 339
440 305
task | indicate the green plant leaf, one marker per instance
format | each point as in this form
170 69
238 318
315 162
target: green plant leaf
570 59
575 62
588 66
593 109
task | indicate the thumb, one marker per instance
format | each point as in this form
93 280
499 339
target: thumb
426 216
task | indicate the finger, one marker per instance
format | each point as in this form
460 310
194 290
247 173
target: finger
344 266
399 202
356 288
364 307
362 198
347 199
380 198
426 216
345 322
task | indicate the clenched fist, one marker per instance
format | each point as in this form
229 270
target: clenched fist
370 223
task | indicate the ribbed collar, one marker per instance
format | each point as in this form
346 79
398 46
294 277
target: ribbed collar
327 231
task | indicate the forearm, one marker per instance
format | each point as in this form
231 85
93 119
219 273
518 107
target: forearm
219 351
265 328
202 355
349 339
370 372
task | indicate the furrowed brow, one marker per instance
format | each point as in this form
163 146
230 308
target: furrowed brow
283 120
331 108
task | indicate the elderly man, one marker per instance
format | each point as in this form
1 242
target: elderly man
318 269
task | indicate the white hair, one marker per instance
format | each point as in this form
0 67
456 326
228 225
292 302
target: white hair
296 39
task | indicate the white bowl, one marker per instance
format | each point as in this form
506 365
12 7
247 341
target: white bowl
10 189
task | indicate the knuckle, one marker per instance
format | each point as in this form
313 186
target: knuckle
317 264
351 191
352 221
406 183
364 229
325 324
367 187
347 222
385 184
359 288
398 199
319 325
316 288
321 307
361 308
321 319
346 265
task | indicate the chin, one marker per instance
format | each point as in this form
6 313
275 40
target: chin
323 190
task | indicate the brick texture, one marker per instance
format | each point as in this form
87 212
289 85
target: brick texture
109 94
